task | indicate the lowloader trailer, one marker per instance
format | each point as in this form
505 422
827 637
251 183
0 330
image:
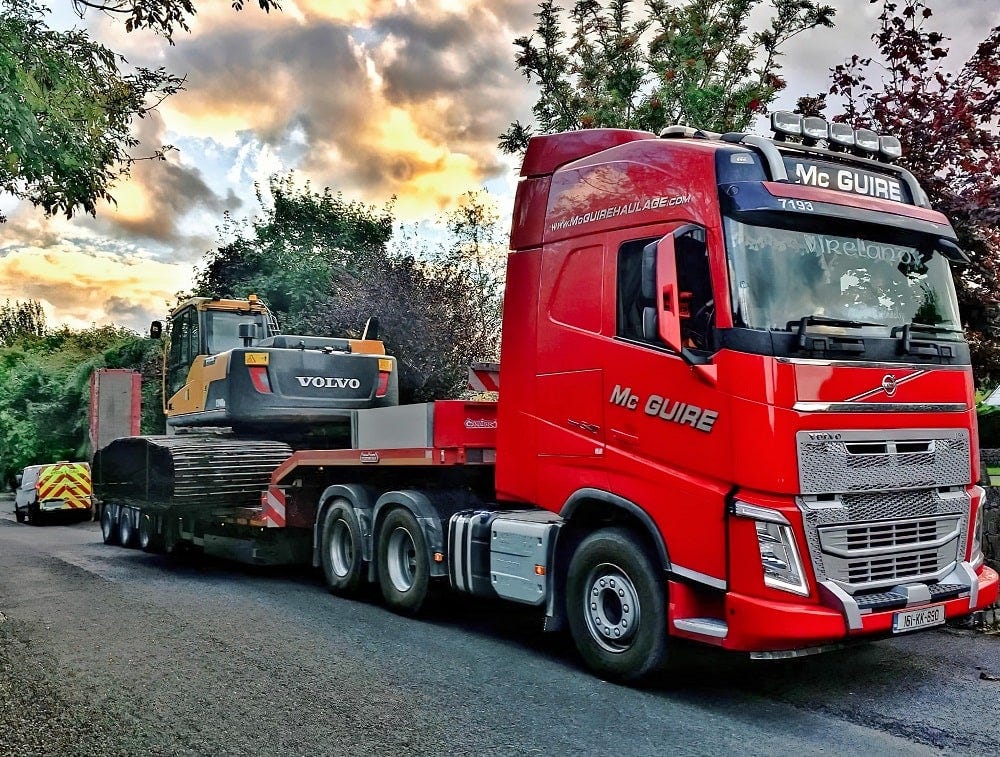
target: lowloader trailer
736 407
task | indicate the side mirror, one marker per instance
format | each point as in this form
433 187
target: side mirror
155 330
667 300
371 329
18 479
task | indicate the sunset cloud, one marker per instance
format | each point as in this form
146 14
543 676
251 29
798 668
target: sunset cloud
78 287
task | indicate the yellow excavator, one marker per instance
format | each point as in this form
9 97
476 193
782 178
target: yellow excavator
227 364
239 397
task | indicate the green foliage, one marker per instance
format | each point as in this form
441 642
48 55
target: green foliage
291 254
22 319
324 267
44 409
693 62
989 420
66 111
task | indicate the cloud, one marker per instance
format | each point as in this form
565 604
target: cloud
374 99
78 286
157 196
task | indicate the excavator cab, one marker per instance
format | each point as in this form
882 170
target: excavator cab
226 363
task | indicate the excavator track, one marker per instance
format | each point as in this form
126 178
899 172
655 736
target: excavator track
194 470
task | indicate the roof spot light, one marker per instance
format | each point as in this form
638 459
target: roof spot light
814 129
841 135
785 124
866 141
890 148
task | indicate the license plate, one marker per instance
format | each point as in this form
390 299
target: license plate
911 620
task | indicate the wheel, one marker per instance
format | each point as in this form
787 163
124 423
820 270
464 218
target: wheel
126 531
340 548
108 531
35 517
19 515
616 606
145 533
403 565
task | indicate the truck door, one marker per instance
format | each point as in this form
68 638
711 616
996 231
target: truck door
570 433
664 436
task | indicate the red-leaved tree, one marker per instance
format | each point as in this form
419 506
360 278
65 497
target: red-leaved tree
947 120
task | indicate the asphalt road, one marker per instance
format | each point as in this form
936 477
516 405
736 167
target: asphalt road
108 651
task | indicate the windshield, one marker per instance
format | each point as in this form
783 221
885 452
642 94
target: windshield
222 330
779 276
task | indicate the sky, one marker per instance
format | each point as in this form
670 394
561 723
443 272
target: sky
373 98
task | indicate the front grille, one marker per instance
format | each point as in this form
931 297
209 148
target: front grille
895 568
850 544
881 536
854 461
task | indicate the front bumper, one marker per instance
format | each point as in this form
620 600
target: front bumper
761 625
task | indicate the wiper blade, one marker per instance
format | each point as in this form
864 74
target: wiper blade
929 348
831 343
926 328
821 320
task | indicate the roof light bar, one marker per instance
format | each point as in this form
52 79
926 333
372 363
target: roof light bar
785 124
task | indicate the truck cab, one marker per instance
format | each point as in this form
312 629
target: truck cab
750 351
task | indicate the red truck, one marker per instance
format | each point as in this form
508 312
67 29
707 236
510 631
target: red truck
735 406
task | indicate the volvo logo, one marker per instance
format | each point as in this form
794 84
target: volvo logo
889 384
329 382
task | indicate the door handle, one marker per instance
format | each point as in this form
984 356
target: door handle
589 427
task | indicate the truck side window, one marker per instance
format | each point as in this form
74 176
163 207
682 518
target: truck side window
630 299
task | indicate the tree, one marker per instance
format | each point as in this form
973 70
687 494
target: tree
68 104
162 16
478 248
693 62
947 121
292 253
423 310
46 378
22 319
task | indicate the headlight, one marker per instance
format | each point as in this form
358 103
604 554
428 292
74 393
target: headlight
780 558
778 553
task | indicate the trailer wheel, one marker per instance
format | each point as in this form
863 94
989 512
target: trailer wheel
340 548
109 531
145 533
616 606
403 565
126 532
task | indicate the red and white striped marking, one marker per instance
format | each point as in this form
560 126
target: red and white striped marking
484 377
273 501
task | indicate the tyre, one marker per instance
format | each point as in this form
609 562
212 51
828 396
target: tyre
340 549
616 606
19 515
109 532
146 533
126 531
35 517
403 564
